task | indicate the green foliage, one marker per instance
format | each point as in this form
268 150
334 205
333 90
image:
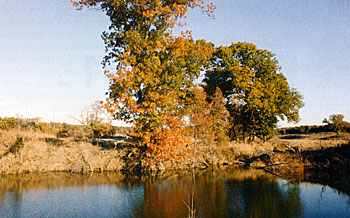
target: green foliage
8 123
334 126
257 93
17 145
45 127
303 129
336 123
63 130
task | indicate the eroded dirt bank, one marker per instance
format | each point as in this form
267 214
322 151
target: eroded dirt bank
296 165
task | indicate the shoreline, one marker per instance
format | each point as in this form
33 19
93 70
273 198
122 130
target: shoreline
280 158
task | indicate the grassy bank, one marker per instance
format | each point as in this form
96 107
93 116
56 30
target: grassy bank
43 152
39 155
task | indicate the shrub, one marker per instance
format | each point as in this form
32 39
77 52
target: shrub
63 132
8 123
17 145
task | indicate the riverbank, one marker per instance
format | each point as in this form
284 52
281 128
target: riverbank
42 152
301 157
41 155
285 156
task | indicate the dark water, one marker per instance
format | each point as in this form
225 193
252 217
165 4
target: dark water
231 193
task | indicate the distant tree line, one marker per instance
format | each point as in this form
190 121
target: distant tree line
335 123
61 130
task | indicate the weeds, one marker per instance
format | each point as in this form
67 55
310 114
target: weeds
190 206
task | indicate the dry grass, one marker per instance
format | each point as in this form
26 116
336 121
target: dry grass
305 142
250 149
41 156
312 141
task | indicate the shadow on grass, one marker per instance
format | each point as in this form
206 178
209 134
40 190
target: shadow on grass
333 160
292 137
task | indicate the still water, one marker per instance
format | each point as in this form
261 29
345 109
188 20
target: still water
230 193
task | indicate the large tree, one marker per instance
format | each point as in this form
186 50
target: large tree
257 92
151 71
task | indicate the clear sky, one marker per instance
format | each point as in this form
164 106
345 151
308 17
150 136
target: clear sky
50 54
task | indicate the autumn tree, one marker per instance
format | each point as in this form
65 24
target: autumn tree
201 119
208 123
150 70
220 117
257 93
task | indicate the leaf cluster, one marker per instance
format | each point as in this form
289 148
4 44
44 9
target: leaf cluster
257 93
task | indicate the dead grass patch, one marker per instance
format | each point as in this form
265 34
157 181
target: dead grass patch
37 155
312 141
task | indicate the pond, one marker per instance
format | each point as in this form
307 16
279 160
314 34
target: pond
229 193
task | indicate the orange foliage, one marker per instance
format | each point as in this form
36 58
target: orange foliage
154 70
201 119
168 143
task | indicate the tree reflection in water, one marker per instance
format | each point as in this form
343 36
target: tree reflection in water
231 194
263 197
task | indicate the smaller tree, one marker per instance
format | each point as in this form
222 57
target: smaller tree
17 145
220 117
97 120
336 123
201 119
63 132
201 126
209 122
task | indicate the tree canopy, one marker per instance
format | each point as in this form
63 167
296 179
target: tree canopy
151 70
257 93
152 75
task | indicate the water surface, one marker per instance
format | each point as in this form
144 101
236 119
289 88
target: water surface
230 193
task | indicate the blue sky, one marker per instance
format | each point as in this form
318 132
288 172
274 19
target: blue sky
50 53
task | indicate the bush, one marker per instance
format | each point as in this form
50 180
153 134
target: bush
64 131
8 123
17 145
